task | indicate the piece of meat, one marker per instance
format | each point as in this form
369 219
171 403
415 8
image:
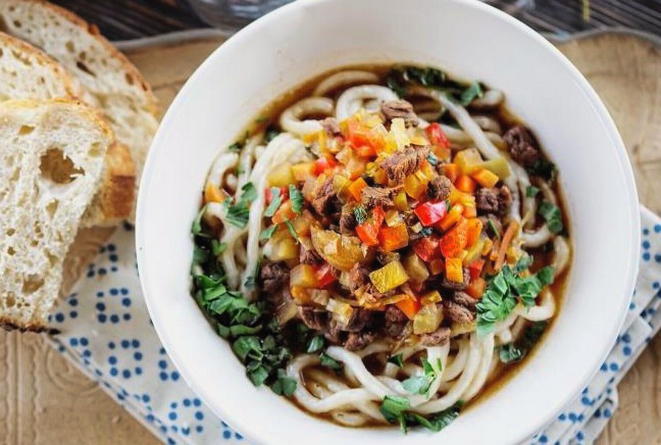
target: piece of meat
309 256
464 299
453 285
394 109
331 127
504 199
358 276
457 313
395 321
347 220
378 196
522 145
325 201
273 276
360 319
439 337
438 189
313 317
493 200
359 340
384 258
404 162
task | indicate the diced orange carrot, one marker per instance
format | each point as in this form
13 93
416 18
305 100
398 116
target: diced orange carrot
505 243
284 213
410 306
453 270
470 211
476 287
451 171
212 193
356 188
452 217
485 177
465 184
474 231
393 238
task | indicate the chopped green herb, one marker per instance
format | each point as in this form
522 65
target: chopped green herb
284 385
200 255
328 361
524 263
276 200
473 91
291 229
514 352
426 231
360 214
296 199
258 376
196 228
531 191
236 147
509 353
316 344
268 232
552 215
544 169
237 214
417 384
432 159
393 408
396 360
494 228
217 247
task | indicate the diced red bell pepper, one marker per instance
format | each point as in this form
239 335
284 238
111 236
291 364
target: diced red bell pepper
325 275
427 248
431 212
436 135
268 194
368 232
475 268
323 163
454 241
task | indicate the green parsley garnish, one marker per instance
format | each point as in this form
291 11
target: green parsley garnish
514 352
276 200
237 214
531 191
493 227
268 232
296 198
473 91
329 362
396 360
360 214
217 247
552 215
292 230
395 410
196 228
316 344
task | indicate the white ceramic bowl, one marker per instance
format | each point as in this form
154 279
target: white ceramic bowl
468 39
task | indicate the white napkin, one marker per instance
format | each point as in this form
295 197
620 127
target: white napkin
107 333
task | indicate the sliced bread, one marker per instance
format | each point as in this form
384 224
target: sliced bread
51 158
28 73
114 83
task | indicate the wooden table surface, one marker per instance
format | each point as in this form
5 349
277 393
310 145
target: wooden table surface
45 400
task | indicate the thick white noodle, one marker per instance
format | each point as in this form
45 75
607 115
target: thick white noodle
543 311
529 203
490 99
561 253
537 238
366 379
486 352
456 366
291 118
483 144
343 79
352 99
548 193
335 385
282 148
460 386
223 162
215 210
487 123
502 330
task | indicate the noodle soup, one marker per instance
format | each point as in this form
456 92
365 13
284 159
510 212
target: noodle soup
382 245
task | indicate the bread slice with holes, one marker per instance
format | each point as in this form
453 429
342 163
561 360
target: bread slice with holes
28 73
116 86
51 159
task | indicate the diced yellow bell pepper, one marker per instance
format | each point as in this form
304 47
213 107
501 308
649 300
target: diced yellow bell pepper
285 249
303 170
453 270
427 319
415 268
300 295
431 297
414 186
389 276
468 160
341 311
393 217
401 202
303 275
399 134
281 176
499 166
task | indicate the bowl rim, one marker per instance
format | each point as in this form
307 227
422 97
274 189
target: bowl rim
632 262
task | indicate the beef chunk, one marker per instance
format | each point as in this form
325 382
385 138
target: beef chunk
309 256
522 145
359 340
331 126
347 220
400 109
378 196
457 286
439 188
273 276
493 200
384 258
313 317
326 201
395 321
358 277
360 319
439 337
404 162
457 313
464 299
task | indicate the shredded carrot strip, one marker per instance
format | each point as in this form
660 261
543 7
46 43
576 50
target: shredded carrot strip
507 239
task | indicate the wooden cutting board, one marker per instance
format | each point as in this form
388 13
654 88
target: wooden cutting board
44 400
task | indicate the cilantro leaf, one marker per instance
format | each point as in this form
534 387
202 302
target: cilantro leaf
514 352
417 384
196 228
276 200
434 422
531 191
238 214
544 169
552 215
315 344
396 360
473 91
393 408
291 229
360 214
329 362
509 353
217 247
296 198
268 232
